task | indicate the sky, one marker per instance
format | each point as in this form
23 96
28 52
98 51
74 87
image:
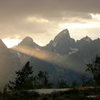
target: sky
44 19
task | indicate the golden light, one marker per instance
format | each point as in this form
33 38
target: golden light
43 55
36 19
11 42
92 24
40 54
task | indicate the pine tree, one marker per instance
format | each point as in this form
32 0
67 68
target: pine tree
41 80
23 80
43 77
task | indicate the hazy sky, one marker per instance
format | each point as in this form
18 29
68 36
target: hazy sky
43 19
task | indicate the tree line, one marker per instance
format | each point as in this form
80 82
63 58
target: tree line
26 80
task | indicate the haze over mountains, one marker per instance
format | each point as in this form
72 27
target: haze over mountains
9 63
63 58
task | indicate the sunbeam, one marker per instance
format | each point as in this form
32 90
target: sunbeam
40 54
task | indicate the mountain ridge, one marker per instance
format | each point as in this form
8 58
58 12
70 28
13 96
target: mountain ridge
66 56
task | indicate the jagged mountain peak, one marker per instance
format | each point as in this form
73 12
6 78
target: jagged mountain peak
27 39
98 39
62 36
61 43
64 33
87 38
28 42
84 40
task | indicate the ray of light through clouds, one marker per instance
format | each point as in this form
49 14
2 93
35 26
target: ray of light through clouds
41 54
44 19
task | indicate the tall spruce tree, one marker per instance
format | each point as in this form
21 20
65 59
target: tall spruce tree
23 80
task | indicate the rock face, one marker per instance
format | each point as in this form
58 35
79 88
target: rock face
63 58
62 43
84 41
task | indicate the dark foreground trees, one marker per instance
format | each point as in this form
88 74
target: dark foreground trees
62 84
94 68
23 80
41 80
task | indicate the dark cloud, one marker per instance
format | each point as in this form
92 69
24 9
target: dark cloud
14 14
47 8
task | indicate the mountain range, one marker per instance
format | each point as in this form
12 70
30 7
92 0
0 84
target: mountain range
63 58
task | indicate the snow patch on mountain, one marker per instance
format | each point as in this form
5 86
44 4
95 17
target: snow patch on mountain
73 50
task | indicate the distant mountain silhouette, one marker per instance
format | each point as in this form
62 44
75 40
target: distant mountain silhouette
69 55
28 42
63 57
62 43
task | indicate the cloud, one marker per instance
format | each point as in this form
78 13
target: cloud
46 8
43 19
36 19
95 16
